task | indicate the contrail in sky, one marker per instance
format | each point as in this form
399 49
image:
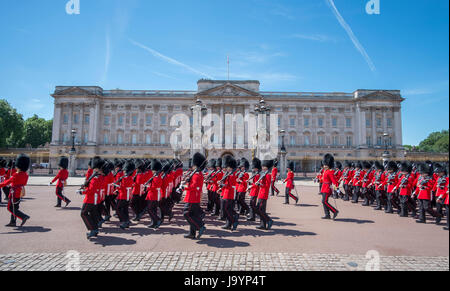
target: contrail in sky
352 36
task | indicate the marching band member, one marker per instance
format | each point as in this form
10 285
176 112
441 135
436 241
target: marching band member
290 184
327 187
254 188
61 177
264 184
193 212
229 194
242 180
89 210
16 183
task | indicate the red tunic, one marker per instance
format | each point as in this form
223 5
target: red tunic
62 177
391 181
254 189
17 182
348 176
194 189
2 175
289 180
243 183
92 193
358 177
89 173
274 173
441 187
379 180
328 179
405 184
424 186
229 190
138 184
125 188
154 191
264 187
216 180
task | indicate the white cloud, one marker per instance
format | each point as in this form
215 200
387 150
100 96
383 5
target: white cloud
352 36
169 59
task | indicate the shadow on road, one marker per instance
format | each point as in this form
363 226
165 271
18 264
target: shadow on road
222 243
28 229
353 220
306 205
112 241
257 233
69 209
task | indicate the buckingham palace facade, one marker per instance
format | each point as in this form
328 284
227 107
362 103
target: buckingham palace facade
122 123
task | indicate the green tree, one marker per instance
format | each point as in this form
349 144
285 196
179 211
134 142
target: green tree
37 131
11 126
436 142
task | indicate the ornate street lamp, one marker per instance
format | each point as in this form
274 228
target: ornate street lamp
72 153
74 133
283 153
386 154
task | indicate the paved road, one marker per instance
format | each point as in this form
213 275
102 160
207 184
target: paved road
297 229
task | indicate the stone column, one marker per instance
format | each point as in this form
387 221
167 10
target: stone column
70 125
56 131
81 120
398 131
363 130
374 127
97 122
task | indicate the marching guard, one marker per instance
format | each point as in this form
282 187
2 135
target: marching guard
290 184
61 177
17 183
329 179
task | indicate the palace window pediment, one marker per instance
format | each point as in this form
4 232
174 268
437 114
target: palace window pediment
228 90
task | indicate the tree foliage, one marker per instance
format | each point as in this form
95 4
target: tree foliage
15 132
11 126
437 142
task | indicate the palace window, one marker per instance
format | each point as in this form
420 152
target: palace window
348 122
162 139
334 122
134 139
87 119
106 139
292 122
120 138
163 120
378 122
293 142
368 123
307 140
75 118
86 137
306 121
389 122
106 120
148 119
379 141
335 140
369 141
121 119
148 139
349 141
321 140
65 118
134 120
320 122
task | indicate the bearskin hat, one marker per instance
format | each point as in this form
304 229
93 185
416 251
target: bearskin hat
348 164
441 169
267 163
199 160
230 162
405 167
23 162
366 165
97 163
3 163
140 165
256 164
11 163
108 166
244 163
391 166
437 167
291 166
129 167
328 160
338 165
358 165
379 166
166 167
219 163
212 163
424 169
63 162
156 166
118 163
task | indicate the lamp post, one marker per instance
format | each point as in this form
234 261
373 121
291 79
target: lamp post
283 153
261 136
72 153
386 154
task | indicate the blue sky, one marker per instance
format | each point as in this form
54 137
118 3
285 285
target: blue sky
290 45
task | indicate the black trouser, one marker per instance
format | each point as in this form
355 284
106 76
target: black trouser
368 196
89 214
222 205
439 207
391 203
320 188
356 193
242 205
347 190
136 204
274 189
326 205
261 210
13 208
381 199
164 206
110 203
210 205
288 194
404 201
101 210
152 209
229 213
122 210
193 215
60 196
6 191
425 206
253 201
216 199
